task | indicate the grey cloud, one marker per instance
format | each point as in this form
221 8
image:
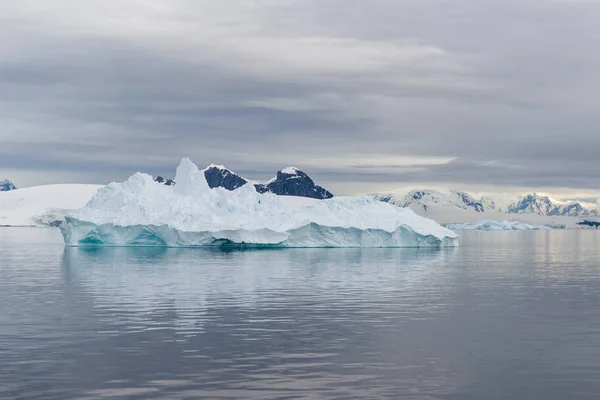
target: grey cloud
505 88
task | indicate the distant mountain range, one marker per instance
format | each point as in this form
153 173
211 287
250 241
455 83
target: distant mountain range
529 204
289 181
6 185
543 205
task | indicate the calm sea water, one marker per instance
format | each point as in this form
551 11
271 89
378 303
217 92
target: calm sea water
509 315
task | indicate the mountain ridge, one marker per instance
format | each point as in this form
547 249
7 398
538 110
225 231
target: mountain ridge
532 203
289 181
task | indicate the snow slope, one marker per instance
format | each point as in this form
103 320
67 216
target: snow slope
497 226
43 205
140 212
427 197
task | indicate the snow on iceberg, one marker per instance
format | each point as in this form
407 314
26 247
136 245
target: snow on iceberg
497 226
140 212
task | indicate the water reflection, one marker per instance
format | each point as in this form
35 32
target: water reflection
254 323
191 281
506 315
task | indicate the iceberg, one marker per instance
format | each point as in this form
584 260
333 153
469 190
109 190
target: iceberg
497 226
141 212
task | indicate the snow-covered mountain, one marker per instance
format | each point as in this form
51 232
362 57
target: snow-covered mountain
543 205
289 181
293 182
496 226
528 204
6 185
422 199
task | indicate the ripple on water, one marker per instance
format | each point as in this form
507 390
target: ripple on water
506 315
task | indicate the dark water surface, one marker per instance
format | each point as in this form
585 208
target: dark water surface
508 315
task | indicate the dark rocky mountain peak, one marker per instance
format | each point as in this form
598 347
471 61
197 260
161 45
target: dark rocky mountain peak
291 181
166 182
219 176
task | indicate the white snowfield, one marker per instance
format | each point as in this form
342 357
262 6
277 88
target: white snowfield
497 226
141 212
43 205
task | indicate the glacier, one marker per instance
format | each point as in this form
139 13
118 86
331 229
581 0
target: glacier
141 212
488 225
43 206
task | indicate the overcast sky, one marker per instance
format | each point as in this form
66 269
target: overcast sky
362 95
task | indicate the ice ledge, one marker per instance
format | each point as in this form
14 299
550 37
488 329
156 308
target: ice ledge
81 233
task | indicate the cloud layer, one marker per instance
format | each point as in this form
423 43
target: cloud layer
463 93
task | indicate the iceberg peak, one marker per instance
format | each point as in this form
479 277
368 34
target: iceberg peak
189 178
